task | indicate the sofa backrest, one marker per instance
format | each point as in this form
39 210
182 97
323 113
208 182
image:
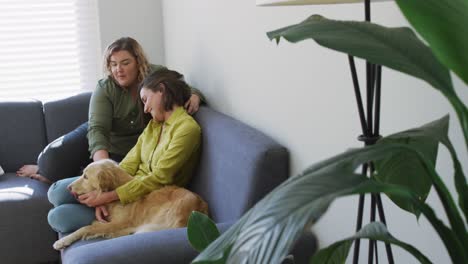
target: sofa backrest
22 133
63 116
238 166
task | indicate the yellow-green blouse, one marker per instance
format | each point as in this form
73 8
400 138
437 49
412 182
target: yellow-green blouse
160 158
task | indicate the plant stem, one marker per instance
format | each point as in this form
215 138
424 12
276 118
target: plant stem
462 113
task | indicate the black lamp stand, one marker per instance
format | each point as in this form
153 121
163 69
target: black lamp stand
370 123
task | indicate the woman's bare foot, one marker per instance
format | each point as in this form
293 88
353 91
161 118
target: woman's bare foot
27 170
40 178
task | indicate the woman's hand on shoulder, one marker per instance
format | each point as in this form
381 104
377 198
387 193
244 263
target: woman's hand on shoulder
192 104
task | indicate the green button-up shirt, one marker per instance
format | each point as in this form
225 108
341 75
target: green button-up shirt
165 154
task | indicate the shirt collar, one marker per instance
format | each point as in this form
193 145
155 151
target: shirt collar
178 111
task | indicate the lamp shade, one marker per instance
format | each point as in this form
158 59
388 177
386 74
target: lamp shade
307 2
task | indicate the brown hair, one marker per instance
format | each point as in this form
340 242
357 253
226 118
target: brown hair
134 48
175 90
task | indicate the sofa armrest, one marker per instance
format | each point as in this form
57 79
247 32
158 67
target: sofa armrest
239 165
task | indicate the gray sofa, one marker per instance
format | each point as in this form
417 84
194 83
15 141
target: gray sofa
238 166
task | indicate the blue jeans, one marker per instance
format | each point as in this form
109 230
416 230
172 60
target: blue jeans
68 214
56 161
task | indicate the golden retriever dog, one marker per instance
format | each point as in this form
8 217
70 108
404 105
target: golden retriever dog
168 207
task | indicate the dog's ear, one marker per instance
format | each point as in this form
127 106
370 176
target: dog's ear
107 181
121 177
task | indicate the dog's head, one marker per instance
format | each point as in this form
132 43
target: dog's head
102 176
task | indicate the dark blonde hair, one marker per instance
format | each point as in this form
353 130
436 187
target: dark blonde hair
134 48
175 92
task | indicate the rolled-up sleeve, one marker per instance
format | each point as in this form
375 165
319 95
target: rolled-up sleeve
184 142
100 120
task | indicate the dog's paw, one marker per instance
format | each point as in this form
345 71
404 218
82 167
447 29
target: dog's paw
60 244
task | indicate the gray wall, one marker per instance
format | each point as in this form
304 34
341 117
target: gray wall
139 19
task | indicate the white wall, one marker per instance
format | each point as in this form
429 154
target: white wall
301 94
139 19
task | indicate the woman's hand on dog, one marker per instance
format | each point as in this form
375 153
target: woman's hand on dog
95 199
101 214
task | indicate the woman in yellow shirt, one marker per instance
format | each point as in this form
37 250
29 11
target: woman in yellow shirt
165 154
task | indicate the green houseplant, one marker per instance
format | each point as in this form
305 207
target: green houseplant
266 233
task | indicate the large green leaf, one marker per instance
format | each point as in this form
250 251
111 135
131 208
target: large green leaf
201 231
405 168
266 233
396 48
443 24
438 131
338 251
452 240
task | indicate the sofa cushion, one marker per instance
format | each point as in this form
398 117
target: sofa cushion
25 234
22 133
62 116
239 165
165 246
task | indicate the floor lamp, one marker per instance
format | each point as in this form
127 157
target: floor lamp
369 117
